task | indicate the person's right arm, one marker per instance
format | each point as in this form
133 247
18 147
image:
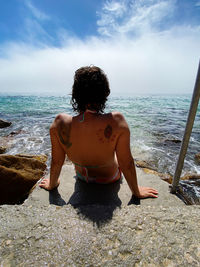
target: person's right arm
126 161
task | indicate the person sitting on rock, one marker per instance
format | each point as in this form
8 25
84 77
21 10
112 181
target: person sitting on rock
97 143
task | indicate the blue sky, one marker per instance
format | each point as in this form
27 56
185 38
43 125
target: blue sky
33 21
144 46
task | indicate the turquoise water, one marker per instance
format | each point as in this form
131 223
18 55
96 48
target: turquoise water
153 120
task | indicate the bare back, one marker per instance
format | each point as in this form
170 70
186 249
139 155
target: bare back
98 141
90 139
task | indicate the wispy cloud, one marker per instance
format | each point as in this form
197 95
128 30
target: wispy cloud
33 30
111 12
38 14
136 17
117 9
35 33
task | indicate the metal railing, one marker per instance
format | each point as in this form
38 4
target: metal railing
187 133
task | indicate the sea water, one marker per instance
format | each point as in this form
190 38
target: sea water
157 124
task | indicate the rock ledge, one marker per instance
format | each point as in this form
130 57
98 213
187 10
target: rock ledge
136 236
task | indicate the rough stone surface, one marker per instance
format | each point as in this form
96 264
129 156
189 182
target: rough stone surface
2 149
189 191
174 140
190 176
4 124
197 157
147 168
144 164
42 158
81 224
164 176
18 175
135 236
6 142
14 133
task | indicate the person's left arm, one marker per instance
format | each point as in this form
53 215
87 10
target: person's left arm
58 158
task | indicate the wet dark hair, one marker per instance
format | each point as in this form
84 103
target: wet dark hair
90 89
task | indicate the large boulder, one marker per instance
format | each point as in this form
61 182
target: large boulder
4 124
18 176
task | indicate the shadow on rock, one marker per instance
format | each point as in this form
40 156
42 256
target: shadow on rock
96 202
134 201
55 198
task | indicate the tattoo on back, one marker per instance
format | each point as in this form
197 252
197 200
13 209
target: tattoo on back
108 131
106 135
64 135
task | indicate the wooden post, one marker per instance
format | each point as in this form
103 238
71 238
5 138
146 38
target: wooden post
187 133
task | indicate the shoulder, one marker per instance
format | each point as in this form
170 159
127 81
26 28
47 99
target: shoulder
117 115
63 117
60 120
119 119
